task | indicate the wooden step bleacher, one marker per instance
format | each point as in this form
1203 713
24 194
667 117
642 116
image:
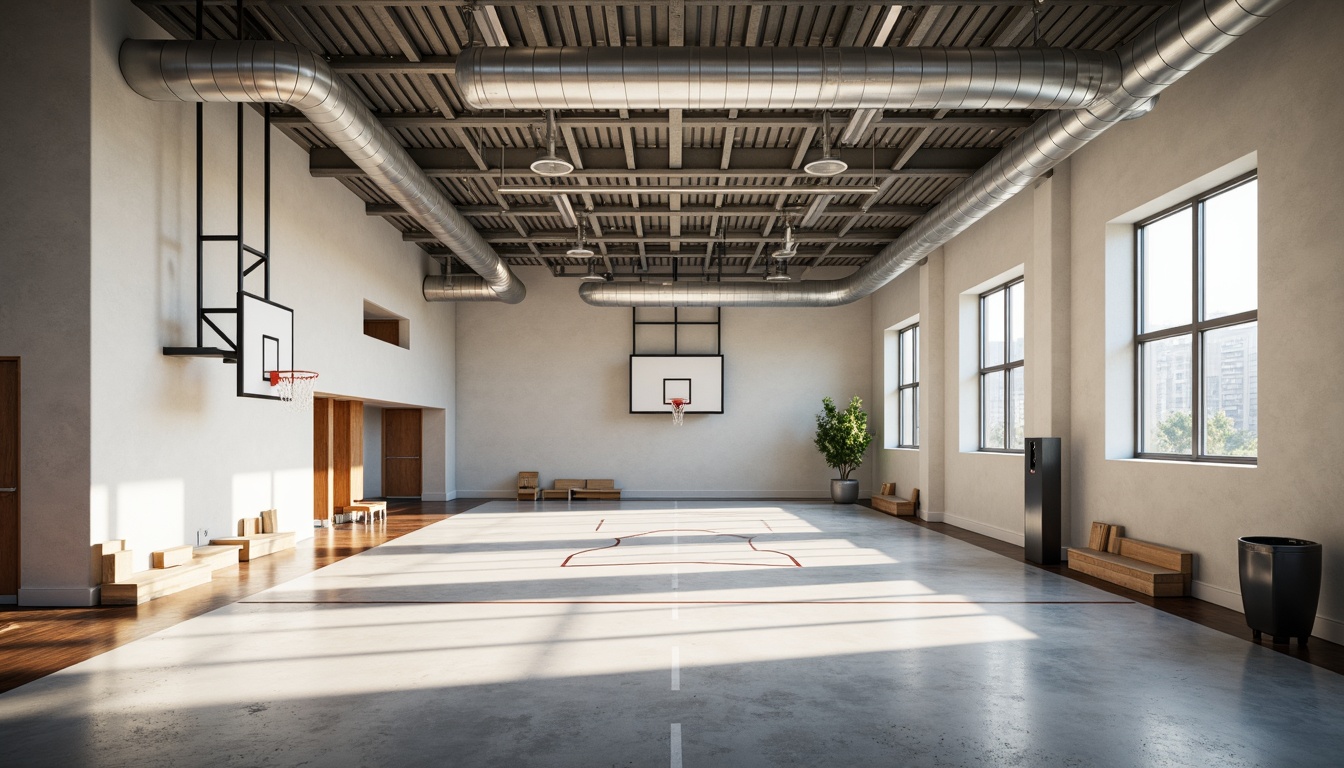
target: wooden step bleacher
529 486
1142 566
597 489
148 585
257 545
563 489
887 501
216 556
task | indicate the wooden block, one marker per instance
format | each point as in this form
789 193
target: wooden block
147 585
888 489
258 544
268 521
173 556
117 566
1166 557
1097 539
1113 538
893 505
216 556
564 485
97 551
602 485
597 493
247 526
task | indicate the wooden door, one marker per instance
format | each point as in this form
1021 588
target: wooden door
9 476
401 452
323 492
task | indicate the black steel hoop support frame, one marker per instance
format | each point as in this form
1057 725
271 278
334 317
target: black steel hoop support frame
229 351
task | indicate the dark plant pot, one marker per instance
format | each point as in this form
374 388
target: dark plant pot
844 491
1280 585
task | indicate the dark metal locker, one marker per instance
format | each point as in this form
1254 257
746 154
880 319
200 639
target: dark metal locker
1043 502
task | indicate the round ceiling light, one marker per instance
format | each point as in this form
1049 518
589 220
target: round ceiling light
826 166
550 165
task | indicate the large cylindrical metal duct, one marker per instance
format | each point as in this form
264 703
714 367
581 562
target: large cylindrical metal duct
784 78
456 288
282 73
1180 40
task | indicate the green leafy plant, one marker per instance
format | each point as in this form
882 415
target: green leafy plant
843 436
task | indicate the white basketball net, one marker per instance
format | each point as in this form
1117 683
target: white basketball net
296 388
678 411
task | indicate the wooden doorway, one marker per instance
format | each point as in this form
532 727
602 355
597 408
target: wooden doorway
9 476
401 452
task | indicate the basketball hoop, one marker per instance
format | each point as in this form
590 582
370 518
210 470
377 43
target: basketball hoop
295 388
678 409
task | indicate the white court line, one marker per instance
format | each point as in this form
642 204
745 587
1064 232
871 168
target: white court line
676 668
676 745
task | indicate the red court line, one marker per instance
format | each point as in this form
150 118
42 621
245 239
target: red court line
599 525
619 539
767 526
689 602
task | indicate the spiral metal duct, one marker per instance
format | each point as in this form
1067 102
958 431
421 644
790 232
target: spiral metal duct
282 73
1180 40
784 78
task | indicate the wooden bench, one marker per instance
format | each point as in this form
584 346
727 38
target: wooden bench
563 489
258 544
528 486
890 503
596 489
370 510
148 585
1142 566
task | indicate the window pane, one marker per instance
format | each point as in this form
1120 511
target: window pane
1017 321
991 347
991 400
1230 252
907 417
914 416
1231 421
1017 402
1168 261
907 357
1167 396
915 354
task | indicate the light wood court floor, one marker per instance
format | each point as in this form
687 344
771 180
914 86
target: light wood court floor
38 641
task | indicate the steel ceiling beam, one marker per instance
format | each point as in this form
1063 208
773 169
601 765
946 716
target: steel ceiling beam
744 121
737 236
656 211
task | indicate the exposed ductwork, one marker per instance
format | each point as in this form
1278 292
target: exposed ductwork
1181 39
784 78
282 73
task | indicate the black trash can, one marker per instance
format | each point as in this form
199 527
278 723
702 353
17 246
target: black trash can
1280 584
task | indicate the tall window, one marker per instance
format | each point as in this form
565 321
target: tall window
1197 328
1002 388
907 391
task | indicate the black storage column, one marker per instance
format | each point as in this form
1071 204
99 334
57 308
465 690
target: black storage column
1043 484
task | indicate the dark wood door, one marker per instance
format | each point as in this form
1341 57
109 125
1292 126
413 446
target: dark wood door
401 452
9 476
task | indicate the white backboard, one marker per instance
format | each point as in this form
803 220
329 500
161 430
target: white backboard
265 344
655 379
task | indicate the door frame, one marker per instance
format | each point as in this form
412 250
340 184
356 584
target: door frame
18 471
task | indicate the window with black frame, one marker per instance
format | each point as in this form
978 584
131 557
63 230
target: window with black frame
1197 328
907 388
1003 367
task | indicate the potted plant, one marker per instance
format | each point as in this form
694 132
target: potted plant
843 437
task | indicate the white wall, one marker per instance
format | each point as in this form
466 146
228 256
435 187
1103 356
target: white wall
1271 100
544 385
1274 93
173 449
44 286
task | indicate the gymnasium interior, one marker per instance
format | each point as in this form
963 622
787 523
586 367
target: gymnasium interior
675 382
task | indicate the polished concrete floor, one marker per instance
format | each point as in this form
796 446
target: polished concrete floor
681 634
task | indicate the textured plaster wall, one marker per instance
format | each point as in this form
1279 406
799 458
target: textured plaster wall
544 385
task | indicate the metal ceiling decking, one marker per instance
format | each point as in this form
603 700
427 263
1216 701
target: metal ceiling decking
399 56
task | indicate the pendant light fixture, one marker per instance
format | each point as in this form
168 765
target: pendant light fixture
550 164
828 165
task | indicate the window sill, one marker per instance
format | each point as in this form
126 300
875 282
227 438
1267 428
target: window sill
907 448
1185 463
981 452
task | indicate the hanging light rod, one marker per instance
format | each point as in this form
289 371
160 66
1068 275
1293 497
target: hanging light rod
684 190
